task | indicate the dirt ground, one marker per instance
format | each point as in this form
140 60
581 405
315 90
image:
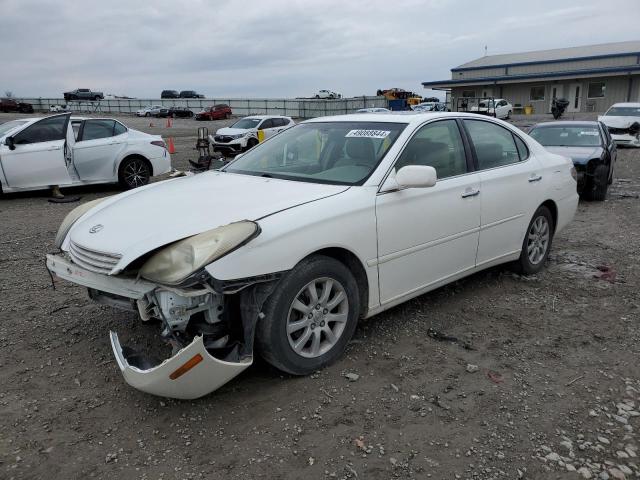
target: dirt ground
543 382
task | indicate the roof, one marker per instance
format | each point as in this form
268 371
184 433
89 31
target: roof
554 55
566 123
406 117
635 69
627 104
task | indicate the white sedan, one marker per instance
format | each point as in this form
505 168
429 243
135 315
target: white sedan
243 134
148 111
63 150
333 220
498 108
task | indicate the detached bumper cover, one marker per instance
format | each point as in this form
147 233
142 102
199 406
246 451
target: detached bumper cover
206 375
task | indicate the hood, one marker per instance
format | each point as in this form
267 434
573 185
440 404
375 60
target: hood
618 122
139 221
232 131
579 155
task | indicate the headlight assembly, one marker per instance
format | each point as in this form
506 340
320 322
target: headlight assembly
72 217
176 262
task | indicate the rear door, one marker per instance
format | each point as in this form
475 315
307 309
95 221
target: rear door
98 145
511 187
268 127
38 159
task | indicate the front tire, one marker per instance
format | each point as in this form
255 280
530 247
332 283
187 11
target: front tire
537 242
599 184
310 317
252 142
134 172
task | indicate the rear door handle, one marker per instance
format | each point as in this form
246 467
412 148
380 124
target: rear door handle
54 148
535 178
471 192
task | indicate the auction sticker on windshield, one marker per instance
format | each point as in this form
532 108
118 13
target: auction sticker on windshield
368 134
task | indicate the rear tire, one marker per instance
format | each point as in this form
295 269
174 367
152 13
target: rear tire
310 317
134 172
599 184
537 242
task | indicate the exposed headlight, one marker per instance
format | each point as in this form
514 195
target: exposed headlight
71 218
174 263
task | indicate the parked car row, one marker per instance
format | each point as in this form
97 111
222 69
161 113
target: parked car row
182 94
216 112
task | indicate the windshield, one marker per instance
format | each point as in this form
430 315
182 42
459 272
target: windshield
341 153
5 127
246 123
623 112
565 136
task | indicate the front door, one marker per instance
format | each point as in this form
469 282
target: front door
427 235
575 97
510 186
38 159
99 144
268 128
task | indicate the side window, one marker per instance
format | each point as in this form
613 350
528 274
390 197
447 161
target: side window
280 122
494 145
119 129
523 151
268 123
96 129
438 145
47 130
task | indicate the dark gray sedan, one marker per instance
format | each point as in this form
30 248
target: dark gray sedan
589 145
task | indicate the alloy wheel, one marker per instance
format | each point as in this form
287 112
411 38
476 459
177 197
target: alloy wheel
317 317
136 174
538 240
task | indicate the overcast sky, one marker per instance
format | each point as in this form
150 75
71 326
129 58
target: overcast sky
280 48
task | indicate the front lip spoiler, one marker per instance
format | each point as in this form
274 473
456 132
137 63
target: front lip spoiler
205 377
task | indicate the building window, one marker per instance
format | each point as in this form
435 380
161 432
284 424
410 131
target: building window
597 89
468 93
537 93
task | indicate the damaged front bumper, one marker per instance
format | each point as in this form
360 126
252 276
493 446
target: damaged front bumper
192 371
626 139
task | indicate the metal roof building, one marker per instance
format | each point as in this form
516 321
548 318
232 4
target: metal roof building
591 77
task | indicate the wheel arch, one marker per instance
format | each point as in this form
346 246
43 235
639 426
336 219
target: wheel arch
131 156
553 208
353 263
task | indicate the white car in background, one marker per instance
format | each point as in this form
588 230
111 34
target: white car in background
148 111
623 122
63 150
333 220
327 94
243 134
497 108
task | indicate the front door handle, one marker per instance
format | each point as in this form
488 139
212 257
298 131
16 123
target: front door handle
54 148
535 178
471 192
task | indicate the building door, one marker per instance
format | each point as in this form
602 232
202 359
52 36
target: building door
575 97
487 92
556 92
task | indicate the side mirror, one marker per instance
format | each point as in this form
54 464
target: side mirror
9 143
416 176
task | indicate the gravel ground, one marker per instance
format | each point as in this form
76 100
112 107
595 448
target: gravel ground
543 382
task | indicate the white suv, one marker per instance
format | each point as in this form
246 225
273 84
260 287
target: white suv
327 94
243 134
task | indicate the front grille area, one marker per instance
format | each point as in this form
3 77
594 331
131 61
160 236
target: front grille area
99 262
223 138
619 131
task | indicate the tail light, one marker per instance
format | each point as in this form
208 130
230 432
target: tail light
574 173
159 143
